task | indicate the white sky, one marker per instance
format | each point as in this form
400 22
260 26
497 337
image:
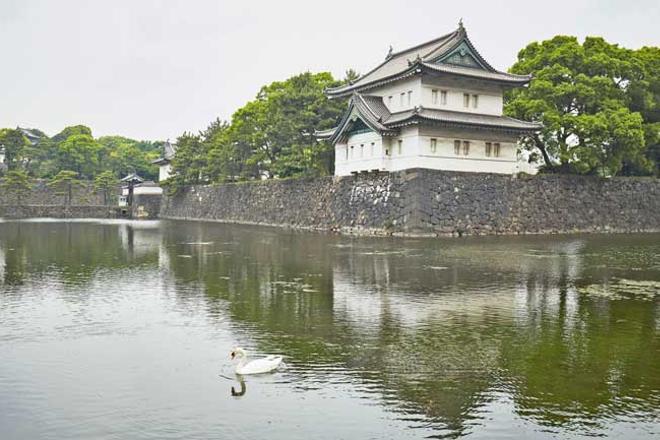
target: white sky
151 69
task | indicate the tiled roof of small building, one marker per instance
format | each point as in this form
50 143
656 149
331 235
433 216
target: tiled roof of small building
406 62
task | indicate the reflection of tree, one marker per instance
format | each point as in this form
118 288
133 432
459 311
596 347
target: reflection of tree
74 251
607 365
435 326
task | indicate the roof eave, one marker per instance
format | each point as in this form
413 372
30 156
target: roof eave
412 70
507 81
417 118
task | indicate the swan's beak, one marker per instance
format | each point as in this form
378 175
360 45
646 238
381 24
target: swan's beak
233 355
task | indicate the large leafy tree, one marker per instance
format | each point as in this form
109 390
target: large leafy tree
75 148
276 128
81 153
123 156
645 99
582 93
190 162
15 144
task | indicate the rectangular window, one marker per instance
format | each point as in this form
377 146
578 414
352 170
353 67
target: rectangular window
488 149
457 147
352 151
466 100
475 101
389 101
361 150
434 145
387 152
434 96
400 146
496 149
373 144
401 98
443 97
346 152
466 148
409 97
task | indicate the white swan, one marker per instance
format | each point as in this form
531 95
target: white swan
257 366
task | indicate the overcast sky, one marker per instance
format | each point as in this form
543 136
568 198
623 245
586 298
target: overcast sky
152 69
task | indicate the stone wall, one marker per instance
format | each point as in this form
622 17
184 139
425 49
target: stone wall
430 202
146 206
42 194
45 201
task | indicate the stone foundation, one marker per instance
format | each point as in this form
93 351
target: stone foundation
428 202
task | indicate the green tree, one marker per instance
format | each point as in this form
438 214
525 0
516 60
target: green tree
64 182
124 156
645 99
581 94
190 162
71 131
276 128
80 152
107 184
16 183
14 143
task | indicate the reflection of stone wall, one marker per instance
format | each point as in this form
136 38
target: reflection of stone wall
428 201
59 211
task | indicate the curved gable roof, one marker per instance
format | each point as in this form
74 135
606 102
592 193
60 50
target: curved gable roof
403 63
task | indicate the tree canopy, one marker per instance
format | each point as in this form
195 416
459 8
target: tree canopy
76 149
598 103
270 136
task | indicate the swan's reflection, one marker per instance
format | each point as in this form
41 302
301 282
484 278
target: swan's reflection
243 388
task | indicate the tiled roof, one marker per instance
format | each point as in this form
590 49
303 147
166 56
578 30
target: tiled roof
460 118
476 73
169 150
370 109
403 63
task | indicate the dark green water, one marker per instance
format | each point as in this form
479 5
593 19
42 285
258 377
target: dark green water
123 331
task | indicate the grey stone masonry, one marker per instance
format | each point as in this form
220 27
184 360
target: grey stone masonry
430 202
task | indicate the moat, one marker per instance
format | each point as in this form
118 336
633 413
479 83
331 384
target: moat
117 329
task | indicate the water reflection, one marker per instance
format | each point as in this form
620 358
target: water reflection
470 337
241 391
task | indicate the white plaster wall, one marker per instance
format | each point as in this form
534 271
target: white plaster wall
489 104
362 157
444 157
490 96
416 152
395 89
164 172
143 190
